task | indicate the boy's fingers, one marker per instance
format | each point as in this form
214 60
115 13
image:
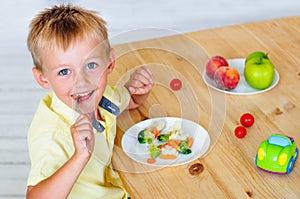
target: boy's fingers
144 75
83 117
148 74
140 90
82 130
73 129
83 136
139 81
144 71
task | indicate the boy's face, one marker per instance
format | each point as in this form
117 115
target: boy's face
78 76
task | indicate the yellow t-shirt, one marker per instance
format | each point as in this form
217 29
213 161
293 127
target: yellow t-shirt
51 145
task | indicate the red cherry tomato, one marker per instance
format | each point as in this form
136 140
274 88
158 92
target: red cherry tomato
247 120
175 84
240 131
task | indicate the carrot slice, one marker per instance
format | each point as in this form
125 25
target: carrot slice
151 160
178 142
174 144
167 157
155 132
164 145
190 142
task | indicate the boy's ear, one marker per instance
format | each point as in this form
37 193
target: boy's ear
39 77
111 66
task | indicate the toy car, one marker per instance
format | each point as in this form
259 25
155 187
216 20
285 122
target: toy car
277 154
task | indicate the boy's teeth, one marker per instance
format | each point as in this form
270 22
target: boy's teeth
82 94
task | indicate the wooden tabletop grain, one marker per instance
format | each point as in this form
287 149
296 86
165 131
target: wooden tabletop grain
229 168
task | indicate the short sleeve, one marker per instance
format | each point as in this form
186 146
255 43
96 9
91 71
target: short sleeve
119 95
49 143
46 155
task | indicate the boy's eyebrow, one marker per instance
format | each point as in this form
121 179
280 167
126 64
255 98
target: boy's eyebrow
100 57
94 57
56 67
61 65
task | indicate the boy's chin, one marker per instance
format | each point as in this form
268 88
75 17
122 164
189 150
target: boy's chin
84 109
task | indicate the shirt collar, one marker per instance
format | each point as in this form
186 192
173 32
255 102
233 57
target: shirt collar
63 110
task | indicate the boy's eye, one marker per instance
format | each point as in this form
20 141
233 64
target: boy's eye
91 65
64 72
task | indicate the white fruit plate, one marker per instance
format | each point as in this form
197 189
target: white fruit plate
243 87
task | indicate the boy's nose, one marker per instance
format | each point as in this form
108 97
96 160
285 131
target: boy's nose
81 79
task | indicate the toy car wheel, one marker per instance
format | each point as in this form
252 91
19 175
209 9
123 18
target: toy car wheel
290 166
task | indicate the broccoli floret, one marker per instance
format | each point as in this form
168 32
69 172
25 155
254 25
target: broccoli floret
154 151
163 137
183 148
145 136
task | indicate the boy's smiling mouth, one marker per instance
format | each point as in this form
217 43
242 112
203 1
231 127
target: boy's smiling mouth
82 97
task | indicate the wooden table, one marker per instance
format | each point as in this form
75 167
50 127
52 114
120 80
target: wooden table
229 168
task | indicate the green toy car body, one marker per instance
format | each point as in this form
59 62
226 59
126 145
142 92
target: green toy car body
277 154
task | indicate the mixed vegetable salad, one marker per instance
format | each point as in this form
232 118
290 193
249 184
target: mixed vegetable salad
165 143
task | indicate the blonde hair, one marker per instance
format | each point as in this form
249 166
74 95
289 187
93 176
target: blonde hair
62 25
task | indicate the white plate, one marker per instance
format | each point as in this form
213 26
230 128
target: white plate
138 152
243 87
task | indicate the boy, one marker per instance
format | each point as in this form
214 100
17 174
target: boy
72 134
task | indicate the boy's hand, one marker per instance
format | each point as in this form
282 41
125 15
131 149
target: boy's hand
83 136
140 82
139 86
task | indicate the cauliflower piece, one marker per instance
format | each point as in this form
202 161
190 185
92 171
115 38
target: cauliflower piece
178 135
168 150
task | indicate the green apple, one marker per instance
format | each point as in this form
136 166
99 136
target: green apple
256 54
259 72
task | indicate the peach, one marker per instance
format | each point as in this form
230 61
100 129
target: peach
226 78
213 64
